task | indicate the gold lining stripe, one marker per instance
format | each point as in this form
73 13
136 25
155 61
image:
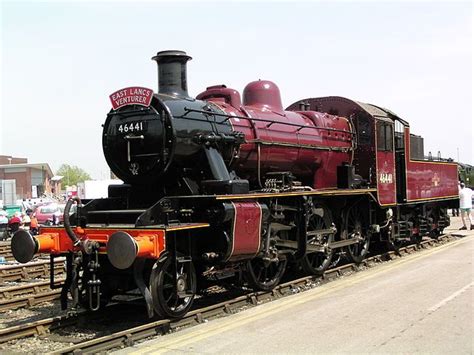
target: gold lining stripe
202 225
434 198
259 229
119 229
302 146
298 193
432 162
233 231
164 229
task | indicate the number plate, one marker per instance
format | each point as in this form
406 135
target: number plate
132 127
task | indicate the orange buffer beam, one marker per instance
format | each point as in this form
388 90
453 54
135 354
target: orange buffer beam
25 246
121 246
123 249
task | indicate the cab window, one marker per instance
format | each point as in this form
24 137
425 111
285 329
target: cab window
364 130
384 137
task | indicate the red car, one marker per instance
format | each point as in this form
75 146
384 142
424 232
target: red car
49 214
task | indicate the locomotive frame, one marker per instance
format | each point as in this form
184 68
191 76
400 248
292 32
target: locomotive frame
206 200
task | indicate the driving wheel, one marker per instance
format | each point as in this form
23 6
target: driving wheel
356 227
264 276
319 220
172 286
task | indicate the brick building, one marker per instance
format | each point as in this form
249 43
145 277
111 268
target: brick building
8 159
30 179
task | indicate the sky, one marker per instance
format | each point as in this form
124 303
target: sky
60 60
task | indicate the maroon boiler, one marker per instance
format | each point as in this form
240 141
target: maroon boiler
310 144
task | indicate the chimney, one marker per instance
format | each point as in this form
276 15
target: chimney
172 77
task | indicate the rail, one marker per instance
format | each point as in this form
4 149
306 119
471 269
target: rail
27 295
30 270
6 251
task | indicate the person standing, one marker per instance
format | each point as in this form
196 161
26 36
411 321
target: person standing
33 224
465 205
14 223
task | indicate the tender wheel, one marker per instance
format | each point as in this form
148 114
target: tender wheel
315 263
396 244
172 287
444 218
356 226
414 239
433 219
265 276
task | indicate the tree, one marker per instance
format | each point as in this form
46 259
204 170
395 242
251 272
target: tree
72 175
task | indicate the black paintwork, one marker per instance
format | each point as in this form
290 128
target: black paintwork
179 146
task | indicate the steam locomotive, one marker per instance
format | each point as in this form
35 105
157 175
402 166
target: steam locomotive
222 188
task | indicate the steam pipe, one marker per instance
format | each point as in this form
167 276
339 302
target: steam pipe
67 225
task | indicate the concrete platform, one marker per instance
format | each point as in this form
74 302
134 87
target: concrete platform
422 303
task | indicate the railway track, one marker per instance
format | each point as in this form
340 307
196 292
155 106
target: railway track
30 270
129 336
27 295
6 251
